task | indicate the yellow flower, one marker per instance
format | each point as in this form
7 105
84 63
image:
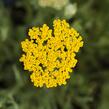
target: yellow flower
50 54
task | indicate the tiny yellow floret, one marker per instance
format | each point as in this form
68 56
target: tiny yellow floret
50 54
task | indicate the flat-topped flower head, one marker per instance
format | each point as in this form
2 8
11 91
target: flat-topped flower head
56 4
50 54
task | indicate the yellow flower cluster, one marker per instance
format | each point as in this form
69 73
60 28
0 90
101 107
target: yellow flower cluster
50 54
